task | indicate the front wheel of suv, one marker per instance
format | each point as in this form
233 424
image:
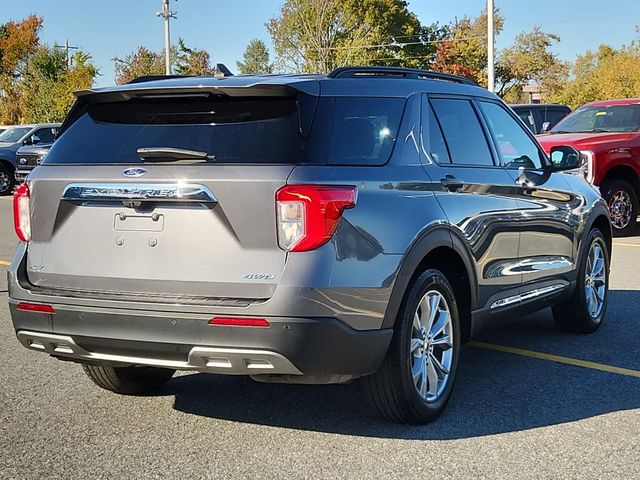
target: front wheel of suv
586 309
414 382
128 380
622 201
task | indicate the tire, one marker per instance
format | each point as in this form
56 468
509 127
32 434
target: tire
392 389
7 180
622 201
128 380
578 315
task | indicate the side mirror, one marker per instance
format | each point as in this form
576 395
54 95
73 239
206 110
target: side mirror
546 126
565 157
35 139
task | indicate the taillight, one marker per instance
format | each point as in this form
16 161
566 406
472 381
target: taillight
21 213
309 214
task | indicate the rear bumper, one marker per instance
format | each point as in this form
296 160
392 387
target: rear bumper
292 346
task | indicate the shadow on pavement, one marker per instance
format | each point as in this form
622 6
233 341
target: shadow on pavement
495 392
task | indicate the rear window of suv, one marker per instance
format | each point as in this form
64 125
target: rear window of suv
253 130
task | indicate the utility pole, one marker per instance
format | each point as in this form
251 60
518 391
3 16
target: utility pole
167 14
66 48
491 73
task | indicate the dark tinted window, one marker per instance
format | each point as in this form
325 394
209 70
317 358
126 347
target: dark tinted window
364 130
234 130
432 138
554 115
462 132
515 146
46 135
527 117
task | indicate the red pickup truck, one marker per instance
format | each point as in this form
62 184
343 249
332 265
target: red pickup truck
608 134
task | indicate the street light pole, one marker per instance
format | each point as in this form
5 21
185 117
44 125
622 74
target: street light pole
491 74
167 14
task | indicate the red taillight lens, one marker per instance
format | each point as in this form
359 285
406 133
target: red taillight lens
21 213
309 214
36 307
240 322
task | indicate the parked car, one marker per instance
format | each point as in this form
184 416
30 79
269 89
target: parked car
14 138
608 134
541 117
28 158
301 229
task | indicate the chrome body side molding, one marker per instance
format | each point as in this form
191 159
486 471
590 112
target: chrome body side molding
538 292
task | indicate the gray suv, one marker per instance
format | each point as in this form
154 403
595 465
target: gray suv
304 229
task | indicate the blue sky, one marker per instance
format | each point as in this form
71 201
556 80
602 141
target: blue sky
223 27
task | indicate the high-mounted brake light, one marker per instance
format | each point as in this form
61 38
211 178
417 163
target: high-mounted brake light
21 213
309 214
36 307
240 322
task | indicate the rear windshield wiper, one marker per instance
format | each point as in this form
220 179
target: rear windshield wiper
170 154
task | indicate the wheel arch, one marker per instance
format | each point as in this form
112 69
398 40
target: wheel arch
442 249
623 172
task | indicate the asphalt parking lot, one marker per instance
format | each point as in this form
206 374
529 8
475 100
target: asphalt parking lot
511 415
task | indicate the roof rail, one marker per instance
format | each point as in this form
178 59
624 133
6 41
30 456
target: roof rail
352 72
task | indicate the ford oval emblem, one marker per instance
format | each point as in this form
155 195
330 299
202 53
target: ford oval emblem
134 172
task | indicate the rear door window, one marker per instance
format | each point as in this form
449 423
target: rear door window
432 138
527 117
364 130
462 132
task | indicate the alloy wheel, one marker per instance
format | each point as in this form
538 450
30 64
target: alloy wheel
5 182
595 285
431 347
620 208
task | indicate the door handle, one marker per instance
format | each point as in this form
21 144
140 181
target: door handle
451 183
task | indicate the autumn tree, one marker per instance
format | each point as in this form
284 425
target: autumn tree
140 63
255 59
18 42
191 61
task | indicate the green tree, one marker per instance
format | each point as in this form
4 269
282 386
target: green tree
255 59
604 74
48 84
319 35
529 60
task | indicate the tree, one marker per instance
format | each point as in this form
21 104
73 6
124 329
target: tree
143 62
313 36
528 60
465 52
18 41
48 84
606 73
140 63
191 61
255 59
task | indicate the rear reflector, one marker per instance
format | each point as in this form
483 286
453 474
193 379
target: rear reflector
240 322
36 307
